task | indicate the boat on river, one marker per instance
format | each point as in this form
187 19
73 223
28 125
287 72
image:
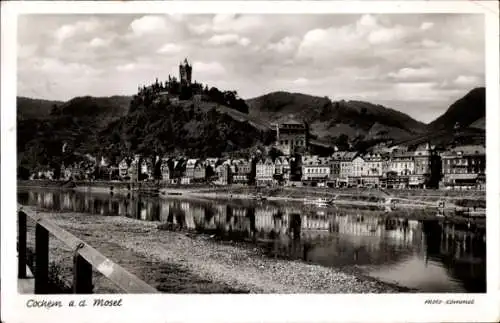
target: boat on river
321 202
259 197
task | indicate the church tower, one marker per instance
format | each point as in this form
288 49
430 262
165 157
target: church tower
185 71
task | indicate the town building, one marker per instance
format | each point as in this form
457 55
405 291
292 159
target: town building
223 172
282 169
464 167
123 167
104 162
190 167
335 162
65 173
212 162
358 167
403 163
165 169
195 171
134 168
346 168
291 136
374 167
146 171
199 171
424 158
315 169
264 172
241 171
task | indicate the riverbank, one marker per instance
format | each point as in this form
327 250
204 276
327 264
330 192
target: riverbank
417 198
182 262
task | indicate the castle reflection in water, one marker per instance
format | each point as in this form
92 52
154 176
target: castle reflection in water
337 237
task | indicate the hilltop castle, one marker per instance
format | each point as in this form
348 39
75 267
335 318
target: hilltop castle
185 72
183 87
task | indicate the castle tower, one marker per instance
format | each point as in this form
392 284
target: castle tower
185 71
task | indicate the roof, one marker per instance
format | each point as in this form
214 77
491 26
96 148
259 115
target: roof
239 161
470 150
191 162
423 146
212 160
281 160
372 157
267 161
291 122
350 155
403 154
338 155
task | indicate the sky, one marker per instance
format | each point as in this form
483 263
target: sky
415 63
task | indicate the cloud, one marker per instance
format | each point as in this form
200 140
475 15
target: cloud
367 21
26 51
357 38
410 73
126 67
199 29
236 23
228 23
285 45
56 66
65 32
429 43
464 80
402 60
148 25
99 42
70 30
209 69
169 48
386 35
177 17
228 39
301 81
426 25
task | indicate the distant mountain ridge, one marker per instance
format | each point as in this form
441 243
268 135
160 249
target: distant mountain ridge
28 108
329 119
82 106
103 125
464 122
465 111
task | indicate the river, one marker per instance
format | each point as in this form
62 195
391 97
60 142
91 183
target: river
429 256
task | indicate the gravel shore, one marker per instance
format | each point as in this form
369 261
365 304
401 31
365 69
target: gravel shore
180 262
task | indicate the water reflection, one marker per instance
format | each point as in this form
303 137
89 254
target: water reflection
433 256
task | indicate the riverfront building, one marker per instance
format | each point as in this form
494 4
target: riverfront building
264 172
464 166
315 168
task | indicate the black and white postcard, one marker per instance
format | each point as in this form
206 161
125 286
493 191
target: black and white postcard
250 161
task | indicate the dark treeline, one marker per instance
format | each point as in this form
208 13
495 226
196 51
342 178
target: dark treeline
147 95
159 128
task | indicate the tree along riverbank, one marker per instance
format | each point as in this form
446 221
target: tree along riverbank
185 262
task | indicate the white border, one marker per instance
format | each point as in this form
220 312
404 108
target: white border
245 308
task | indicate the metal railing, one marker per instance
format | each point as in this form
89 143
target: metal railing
84 259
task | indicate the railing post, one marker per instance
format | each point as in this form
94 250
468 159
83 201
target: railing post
82 275
21 247
41 260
